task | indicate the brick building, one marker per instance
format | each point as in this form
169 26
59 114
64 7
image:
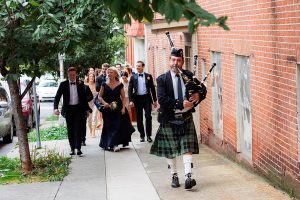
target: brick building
253 101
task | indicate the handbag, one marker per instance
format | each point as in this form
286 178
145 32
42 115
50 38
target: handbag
98 104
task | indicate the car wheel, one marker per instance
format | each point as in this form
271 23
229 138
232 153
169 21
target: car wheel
9 137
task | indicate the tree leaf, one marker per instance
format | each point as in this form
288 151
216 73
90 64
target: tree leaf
34 3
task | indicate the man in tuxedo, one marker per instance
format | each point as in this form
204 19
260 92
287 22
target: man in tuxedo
176 135
75 108
102 77
142 95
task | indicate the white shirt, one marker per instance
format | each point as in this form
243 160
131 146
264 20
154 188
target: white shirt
175 82
142 90
74 99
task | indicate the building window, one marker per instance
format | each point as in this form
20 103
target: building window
244 114
188 51
217 95
298 108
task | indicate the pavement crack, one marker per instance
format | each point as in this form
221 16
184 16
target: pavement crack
58 190
105 175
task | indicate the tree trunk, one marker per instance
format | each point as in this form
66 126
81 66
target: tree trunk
20 126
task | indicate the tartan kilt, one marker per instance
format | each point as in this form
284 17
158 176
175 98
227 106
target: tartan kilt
168 145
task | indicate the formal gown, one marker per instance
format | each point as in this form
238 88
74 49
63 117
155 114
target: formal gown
117 128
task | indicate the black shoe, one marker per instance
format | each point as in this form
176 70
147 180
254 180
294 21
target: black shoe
83 144
189 182
72 153
142 140
149 139
79 153
175 181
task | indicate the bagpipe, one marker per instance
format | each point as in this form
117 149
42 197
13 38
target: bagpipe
192 84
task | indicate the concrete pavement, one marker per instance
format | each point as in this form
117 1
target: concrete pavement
134 174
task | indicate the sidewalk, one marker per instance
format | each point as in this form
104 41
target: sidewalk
134 174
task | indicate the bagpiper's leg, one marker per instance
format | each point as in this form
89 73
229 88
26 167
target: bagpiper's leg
188 162
172 166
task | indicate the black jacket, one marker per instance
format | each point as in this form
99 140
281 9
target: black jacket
166 99
64 90
133 87
99 80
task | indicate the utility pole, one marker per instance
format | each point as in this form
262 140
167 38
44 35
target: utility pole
61 58
37 117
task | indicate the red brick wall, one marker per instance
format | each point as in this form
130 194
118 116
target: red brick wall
157 41
269 33
129 58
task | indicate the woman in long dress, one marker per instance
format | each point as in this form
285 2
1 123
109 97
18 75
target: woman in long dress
125 81
117 128
92 119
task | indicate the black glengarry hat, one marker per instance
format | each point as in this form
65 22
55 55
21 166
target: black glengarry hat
177 52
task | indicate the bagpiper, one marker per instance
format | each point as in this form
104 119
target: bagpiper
176 134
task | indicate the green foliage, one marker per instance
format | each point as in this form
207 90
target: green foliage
32 34
9 169
142 10
52 133
50 166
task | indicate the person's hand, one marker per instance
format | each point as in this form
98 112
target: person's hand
188 104
56 112
106 105
123 111
194 98
155 104
131 104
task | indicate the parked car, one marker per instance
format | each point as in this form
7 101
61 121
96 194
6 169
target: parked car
6 117
27 101
47 90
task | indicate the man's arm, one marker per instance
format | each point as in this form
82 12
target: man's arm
58 95
152 88
88 93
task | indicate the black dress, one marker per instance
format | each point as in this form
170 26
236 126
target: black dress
117 128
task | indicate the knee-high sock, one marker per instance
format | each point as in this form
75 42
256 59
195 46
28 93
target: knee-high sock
187 161
172 163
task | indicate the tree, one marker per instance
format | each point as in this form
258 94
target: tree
171 9
32 32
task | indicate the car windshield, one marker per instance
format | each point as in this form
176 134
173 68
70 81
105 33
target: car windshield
48 84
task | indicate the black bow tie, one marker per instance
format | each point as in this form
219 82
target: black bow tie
141 75
72 83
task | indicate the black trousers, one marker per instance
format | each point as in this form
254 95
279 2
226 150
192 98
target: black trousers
84 131
143 103
75 118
